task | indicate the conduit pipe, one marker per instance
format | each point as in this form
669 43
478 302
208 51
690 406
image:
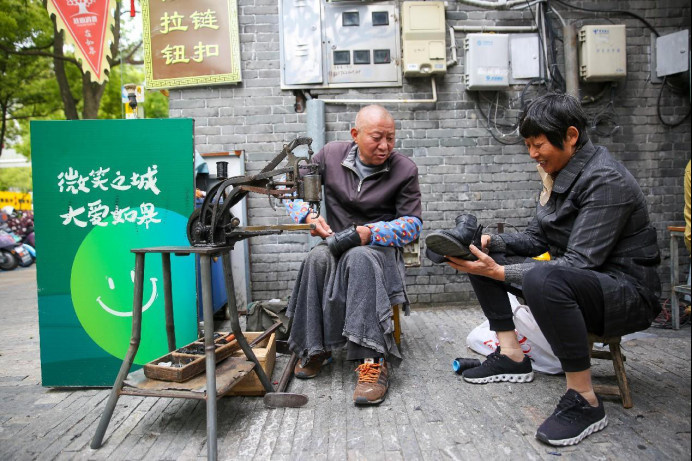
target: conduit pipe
517 29
569 34
453 42
499 5
315 123
387 101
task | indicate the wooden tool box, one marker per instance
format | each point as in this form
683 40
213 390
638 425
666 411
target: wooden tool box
188 361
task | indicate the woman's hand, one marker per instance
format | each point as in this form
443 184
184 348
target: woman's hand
485 241
321 229
484 265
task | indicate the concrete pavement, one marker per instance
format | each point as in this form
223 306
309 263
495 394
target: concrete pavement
430 413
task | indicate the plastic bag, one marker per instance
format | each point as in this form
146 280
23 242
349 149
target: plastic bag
484 341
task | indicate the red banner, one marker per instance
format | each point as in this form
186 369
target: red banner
87 25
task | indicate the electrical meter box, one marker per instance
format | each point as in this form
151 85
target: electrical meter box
486 61
423 38
345 44
602 53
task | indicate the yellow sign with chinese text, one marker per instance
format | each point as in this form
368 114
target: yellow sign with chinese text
17 200
190 43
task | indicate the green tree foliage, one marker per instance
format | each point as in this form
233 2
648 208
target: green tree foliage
41 79
15 179
155 103
27 86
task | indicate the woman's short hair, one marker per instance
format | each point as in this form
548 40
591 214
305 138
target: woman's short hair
551 115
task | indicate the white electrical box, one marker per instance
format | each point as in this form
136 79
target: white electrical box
486 61
602 53
423 38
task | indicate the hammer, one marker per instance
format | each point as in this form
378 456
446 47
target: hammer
281 398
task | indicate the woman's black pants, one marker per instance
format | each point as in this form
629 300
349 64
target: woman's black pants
566 302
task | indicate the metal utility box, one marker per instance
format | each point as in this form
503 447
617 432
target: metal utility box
423 38
346 44
524 58
672 53
602 53
486 61
301 42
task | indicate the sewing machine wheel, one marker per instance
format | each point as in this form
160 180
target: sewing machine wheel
199 233
196 233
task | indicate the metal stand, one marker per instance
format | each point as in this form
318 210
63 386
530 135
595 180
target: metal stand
212 374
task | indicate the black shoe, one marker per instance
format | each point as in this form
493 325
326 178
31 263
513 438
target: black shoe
498 367
434 257
345 240
573 420
455 242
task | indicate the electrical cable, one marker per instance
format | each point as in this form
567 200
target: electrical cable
595 10
556 82
489 101
658 108
606 117
557 14
479 108
558 77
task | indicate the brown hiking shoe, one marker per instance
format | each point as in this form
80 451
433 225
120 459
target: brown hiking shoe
310 367
373 382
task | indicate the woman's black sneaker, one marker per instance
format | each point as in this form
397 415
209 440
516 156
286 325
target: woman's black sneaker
572 421
498 367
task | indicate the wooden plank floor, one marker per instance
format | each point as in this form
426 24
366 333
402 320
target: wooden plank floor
429 414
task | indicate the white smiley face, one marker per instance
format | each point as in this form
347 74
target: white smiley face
147 305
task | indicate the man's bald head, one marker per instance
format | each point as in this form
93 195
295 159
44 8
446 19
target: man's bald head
372 114
374 134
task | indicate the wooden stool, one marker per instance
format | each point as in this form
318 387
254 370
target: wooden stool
397 325
614 353
411 259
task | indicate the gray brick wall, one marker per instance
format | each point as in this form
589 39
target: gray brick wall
462 169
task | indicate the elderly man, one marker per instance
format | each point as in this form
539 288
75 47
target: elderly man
592 217
347 285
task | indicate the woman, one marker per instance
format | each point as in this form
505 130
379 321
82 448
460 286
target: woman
592 218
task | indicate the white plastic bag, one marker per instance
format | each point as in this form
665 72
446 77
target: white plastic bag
484 341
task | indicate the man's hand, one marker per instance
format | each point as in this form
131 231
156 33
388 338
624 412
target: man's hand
321 229
485 265
365 234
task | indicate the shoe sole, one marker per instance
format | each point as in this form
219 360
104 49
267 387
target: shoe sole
362 401
513 378
304 376
447 246
434 257
595 427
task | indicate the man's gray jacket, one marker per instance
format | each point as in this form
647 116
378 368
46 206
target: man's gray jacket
390 193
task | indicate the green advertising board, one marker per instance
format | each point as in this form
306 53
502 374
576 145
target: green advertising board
102 188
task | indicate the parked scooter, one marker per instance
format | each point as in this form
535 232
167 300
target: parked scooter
12 253
29 248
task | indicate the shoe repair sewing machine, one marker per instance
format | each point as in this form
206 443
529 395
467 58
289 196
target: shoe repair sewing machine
214 224
212 231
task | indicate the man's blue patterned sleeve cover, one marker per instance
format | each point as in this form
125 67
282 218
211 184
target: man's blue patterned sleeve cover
297 210
396 233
